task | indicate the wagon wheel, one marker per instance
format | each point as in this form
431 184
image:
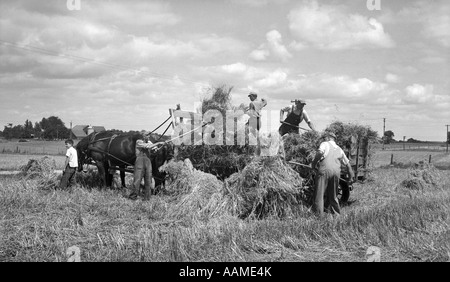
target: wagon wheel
343 191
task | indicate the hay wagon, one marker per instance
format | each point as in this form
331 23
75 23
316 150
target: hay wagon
224 160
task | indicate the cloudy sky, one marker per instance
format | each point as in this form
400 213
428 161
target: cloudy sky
123 64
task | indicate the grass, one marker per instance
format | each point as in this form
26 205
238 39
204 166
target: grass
34 147
407 225
425 146
438 158
13 162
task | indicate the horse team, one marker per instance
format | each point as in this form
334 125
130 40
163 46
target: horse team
111 152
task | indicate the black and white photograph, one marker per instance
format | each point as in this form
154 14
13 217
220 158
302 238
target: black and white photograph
230 137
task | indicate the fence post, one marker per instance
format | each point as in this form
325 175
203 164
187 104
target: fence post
392 159
429 160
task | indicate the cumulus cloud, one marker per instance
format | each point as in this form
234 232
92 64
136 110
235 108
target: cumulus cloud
259 54
434 16
274 79
418 94
245 74
298 46
344 88
333 28
282 84
392 78
258 3
274 46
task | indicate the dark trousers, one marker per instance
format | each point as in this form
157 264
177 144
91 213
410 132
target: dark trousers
68 177
142 169
254 124
326 182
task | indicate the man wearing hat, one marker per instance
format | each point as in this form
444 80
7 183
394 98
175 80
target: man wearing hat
295 115
328 161
254 111
143 166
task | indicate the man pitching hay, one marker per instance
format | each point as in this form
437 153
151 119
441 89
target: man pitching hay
329 158
143 166
254 111
295 115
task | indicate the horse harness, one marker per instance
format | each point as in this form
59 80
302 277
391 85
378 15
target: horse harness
90 148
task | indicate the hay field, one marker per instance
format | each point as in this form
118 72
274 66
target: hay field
438 158
425 146
34 147
13 162
406 224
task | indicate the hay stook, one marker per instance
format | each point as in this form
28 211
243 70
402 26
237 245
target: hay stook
266 187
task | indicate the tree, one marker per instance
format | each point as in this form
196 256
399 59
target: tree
37 130
27 129
388 136
54 128
13 131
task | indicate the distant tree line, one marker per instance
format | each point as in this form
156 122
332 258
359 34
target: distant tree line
48 128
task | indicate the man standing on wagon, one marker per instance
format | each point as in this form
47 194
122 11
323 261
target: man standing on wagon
295 115
254 111
143 166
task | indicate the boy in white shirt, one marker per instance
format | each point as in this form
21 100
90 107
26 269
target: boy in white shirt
70 166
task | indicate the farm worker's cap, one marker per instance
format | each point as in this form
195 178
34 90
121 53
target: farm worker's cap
252 94
145 132
330 134
300 101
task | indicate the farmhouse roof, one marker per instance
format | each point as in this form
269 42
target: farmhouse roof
80 131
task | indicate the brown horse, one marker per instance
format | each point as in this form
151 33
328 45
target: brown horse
111 151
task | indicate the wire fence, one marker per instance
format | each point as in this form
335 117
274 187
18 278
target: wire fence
426 146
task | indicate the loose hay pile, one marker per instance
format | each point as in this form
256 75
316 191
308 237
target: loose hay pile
38 168
90 179
190 188
221 161
265 187
42 170
302 148
422 176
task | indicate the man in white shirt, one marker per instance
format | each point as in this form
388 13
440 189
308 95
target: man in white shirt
328 159
70 166
254 112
